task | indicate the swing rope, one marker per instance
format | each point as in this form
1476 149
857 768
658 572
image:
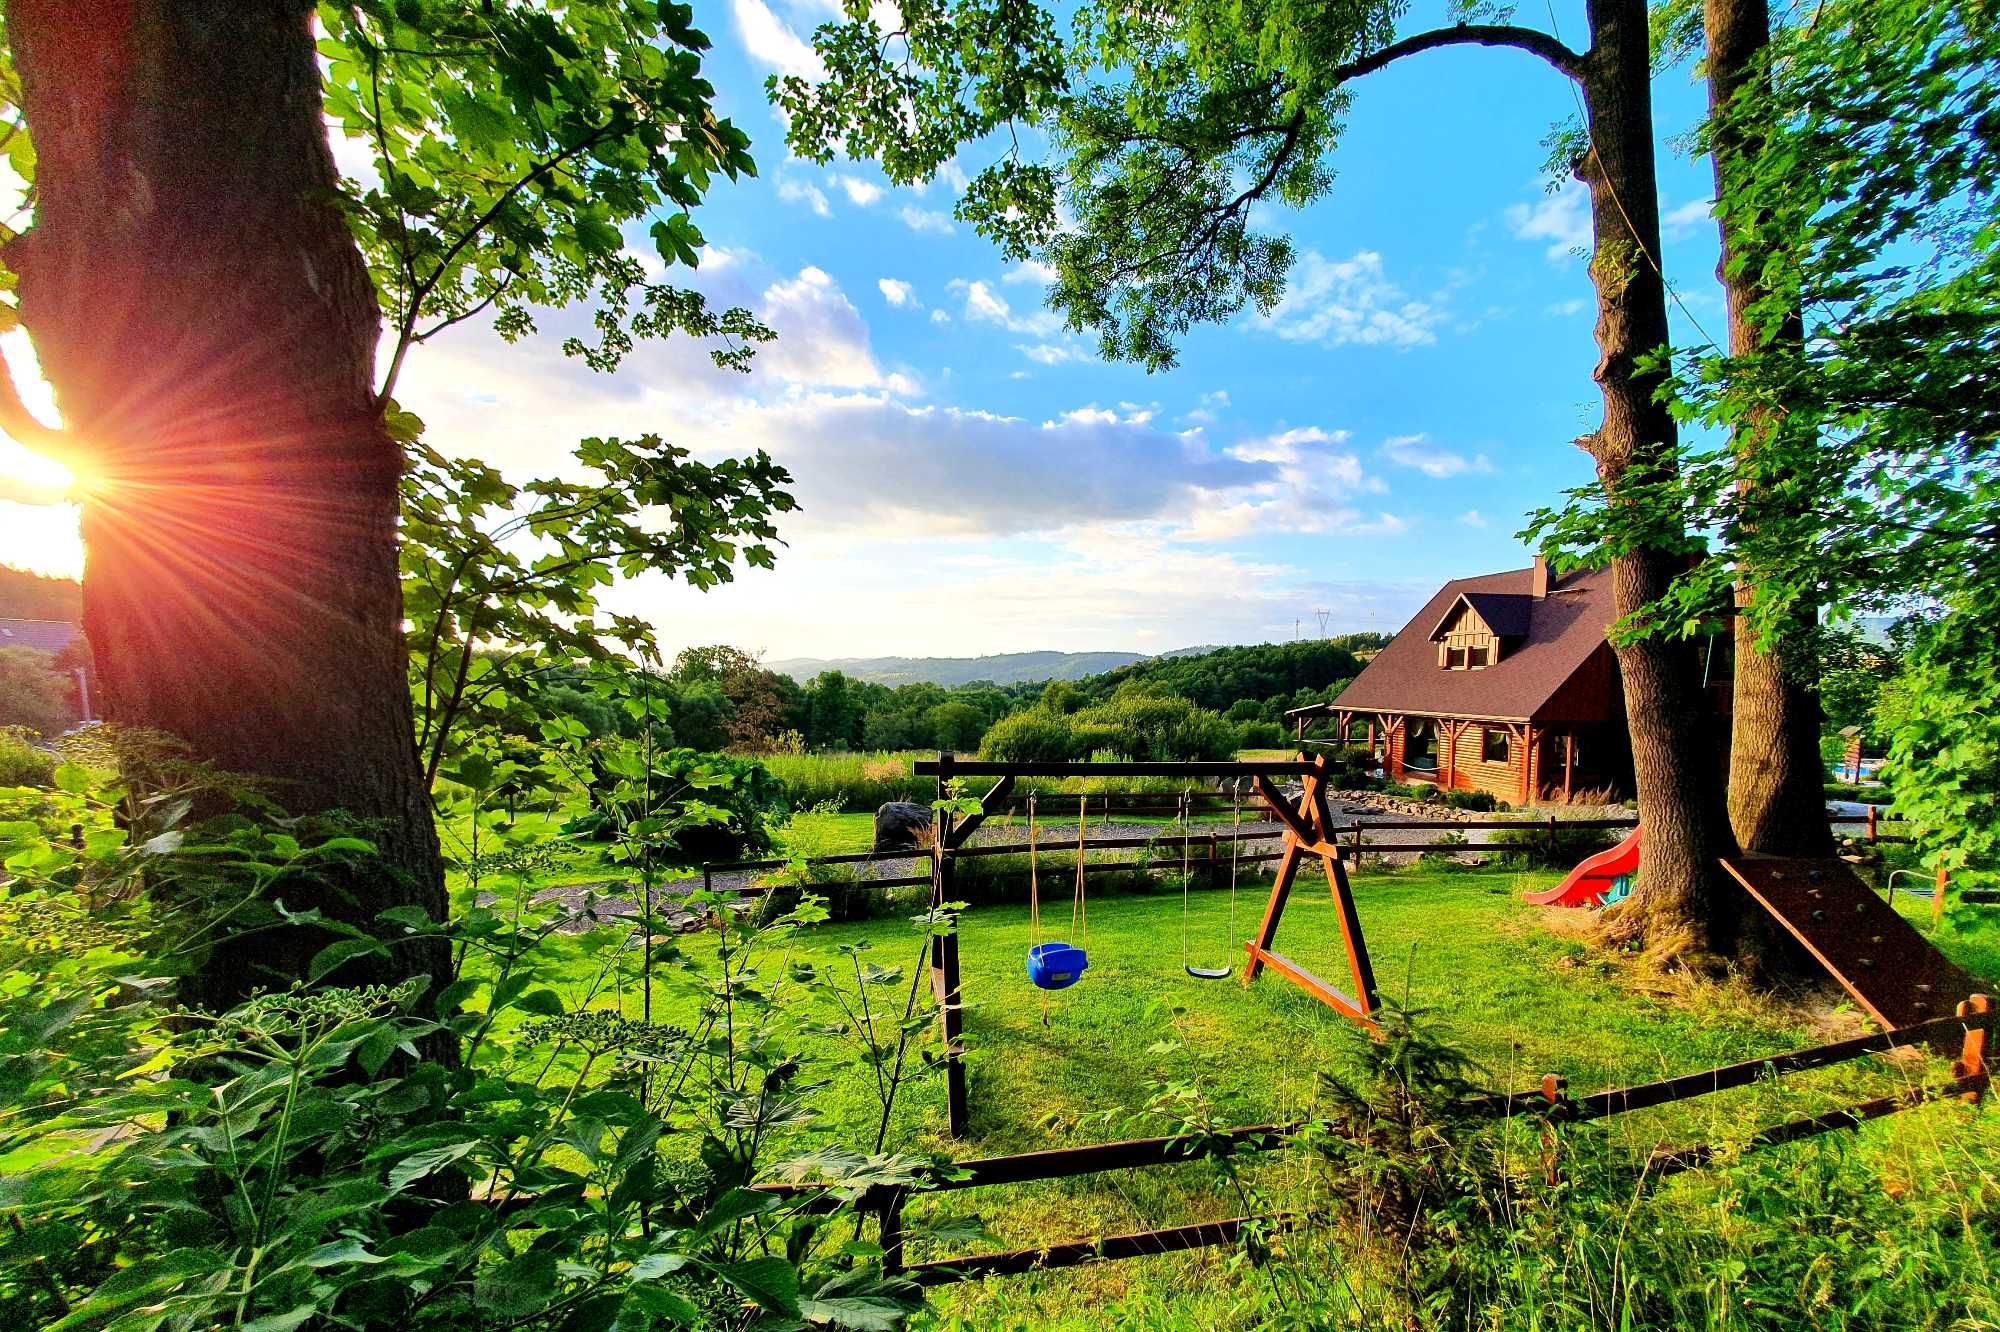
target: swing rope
1034 886
1079 914
1235 850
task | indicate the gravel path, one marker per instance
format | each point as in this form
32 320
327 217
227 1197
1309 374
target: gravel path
615 899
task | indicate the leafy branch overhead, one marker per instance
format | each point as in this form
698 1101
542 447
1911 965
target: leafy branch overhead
510 145
501 582
1164 130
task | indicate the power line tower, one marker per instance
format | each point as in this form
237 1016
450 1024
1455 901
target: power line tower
1323 614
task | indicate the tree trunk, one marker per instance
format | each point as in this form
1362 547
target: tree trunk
1776 781
209 328
1678 902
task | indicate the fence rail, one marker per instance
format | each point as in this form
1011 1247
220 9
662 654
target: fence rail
1970 1079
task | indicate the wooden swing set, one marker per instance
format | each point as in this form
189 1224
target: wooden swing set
1309 831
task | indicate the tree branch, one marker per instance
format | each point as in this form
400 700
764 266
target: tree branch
1531 40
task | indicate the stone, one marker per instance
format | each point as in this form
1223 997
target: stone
901 825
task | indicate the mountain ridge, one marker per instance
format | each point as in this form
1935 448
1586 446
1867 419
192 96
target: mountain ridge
1001 668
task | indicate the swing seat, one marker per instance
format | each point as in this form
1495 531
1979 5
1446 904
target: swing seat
1207 973
1056 966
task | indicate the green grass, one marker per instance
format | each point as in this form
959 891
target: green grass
1075 1066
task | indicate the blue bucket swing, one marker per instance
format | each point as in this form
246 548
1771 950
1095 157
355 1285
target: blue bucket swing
1056 966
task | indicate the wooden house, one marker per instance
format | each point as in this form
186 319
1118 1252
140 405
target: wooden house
1503 683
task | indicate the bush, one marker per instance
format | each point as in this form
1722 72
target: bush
21 763
1034 736
1260 735
1480 801
721 801
1354 767
34 695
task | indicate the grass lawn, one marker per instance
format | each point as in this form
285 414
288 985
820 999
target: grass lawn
1509 981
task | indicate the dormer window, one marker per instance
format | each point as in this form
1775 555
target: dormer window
1475 632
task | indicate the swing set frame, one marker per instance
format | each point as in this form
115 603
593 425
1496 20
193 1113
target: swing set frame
1309 831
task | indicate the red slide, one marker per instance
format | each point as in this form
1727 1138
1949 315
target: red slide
1589 881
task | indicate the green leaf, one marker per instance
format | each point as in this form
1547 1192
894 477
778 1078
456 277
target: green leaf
770 1283
518 1287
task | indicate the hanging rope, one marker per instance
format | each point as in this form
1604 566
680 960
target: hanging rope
1079 915
1034 886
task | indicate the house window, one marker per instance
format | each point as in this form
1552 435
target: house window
1454 659
1477 656
1420 747
1493 746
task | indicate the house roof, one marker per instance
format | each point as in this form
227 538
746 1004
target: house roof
1505 613
1550 638
50 636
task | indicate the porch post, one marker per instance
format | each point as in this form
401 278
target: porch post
1528 764
1569 761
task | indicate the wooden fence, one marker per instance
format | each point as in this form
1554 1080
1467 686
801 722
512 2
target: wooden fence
1971 1028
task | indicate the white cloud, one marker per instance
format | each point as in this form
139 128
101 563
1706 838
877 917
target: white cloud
1350 301
920 219
897 292
1034 270
1561 218
1566 309
1682 222
940 317
1052 353
799 191
1472 518
859 191
771 43
1437 463
1316 482
983 305
822 338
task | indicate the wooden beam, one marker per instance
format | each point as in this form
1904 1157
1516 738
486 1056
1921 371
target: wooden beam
1283 808
1311 984
945 766
988 804
1145 1243
1528 765
1358 963
1569 763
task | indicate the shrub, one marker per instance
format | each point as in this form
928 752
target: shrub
1154 727
1260 735
21 763
719 801
1034 736
1354 767
1482 801
34 695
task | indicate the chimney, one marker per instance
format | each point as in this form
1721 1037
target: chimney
1538 580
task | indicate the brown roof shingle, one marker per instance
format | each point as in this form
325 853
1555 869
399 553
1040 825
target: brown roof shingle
1557 635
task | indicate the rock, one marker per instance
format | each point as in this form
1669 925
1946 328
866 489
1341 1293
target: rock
901 825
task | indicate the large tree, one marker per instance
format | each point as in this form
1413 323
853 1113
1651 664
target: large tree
1169 125
207 294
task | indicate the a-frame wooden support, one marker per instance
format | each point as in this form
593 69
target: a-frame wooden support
1309 832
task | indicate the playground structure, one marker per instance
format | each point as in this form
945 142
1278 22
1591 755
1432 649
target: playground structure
1305 830
1804 897
1598 879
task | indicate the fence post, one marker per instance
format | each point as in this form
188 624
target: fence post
891 1234
944 963
1971 1061
1552 837
1871 822
1937 895
1555 1090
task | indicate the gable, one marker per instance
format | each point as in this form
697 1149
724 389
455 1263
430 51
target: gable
1554 637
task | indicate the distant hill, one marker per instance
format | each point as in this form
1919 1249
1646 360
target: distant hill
1003 668
27 596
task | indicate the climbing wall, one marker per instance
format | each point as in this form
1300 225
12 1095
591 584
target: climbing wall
1892 971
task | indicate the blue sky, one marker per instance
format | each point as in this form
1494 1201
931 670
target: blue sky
975 480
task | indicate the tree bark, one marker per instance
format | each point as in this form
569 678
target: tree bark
1776 781
209 328
1678 902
